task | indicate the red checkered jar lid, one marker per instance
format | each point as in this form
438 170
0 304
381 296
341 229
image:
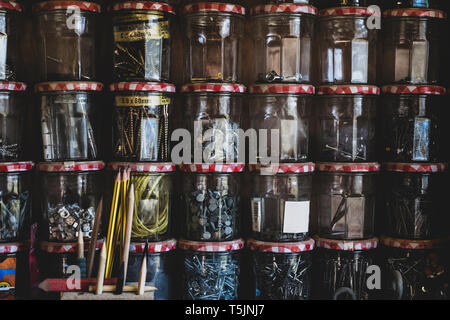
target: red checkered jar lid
10 5
283 8
348 167
211 246
283 168
281 247
415 12
348 89
413 244
142 5
64 5
70 247
212 7
415 167
213 167
214 87
16 166
413 89
12 86
70 166
282 88
154 247
143 166
68 86
346 245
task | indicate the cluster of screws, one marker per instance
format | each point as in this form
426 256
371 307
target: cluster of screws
273 76
64 222
12 214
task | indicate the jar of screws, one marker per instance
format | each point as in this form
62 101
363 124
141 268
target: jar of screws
344 200
345 123
141 40
70 194
340 268
66 33
282 271
15 200
10 50
282 39
413 127
213 35
412 42
280 201
415 196
13 111
210 201
211 270
415 269
70 127
153 185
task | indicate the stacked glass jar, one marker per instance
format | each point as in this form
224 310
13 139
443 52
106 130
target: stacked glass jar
344 145
141 101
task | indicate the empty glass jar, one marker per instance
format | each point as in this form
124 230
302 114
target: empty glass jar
280 201
13 112
142 40
213 34
70 126
141 121
281 271
153 194
345 123
69 196
413 124
282 38
210 201
10 49
412 43
66 33
15 200
415 201
213 114
211 271
344 200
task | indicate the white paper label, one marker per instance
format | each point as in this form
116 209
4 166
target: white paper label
296 217
256 214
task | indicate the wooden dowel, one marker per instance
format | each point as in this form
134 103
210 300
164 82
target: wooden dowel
101 269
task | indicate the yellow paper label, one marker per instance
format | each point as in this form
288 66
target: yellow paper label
159 30
139 17
141 101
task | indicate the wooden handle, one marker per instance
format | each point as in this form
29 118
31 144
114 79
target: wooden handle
127 288
142 276
101 269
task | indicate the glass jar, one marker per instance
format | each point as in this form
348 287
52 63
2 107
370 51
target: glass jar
70 114
415 269
345 124
339 269
141 114
15 199
13 271
13 116
211 271
288 1
213 34
160 266
412 124
142 40
66 40
213 114
285 109
153 194
280 201
282 271
416 3
347 46
69 197
415 201
282 40
344 200
210 201
10 48
412 45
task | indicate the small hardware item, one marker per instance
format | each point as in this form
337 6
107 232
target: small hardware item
344 200
70 120
153 194
13 111
213 114
13 271
211 270
54 259
282 271
66 36
339 269
141 130
211 201
15 200
414 199
160 266
11 31
413 127
283 42
213 42
345 123
141 40
415 269
412 42
70 195
284 109
280 201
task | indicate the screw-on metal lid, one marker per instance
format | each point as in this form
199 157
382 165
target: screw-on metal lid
214 87
348 167
16 166
346 245
349 11
413 89
10 5
211 246
214 7
213 167
153 247
283 8
59 5
282 88
12 86
142 5
415 12
68 86
415 167
412 244
281 247
69 247
70 166
143 166
307 167
348 89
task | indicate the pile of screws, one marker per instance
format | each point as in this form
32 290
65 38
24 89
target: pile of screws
13 208
64 222
273 76
211 216
9 151
211 276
